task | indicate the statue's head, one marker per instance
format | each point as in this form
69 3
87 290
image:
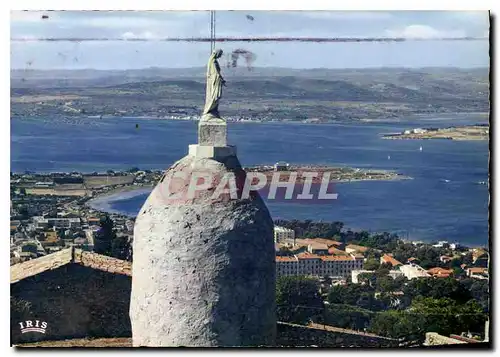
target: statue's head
218 53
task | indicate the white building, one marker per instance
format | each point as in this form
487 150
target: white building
282 233
412 271
440 244
281 166
44 223
419 131
318 265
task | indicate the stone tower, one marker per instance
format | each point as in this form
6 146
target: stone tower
204 267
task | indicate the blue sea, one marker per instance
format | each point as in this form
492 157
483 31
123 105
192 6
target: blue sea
443 201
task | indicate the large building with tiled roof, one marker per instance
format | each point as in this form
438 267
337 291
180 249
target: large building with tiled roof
77 293
318 265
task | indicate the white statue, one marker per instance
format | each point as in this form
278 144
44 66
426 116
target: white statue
214 87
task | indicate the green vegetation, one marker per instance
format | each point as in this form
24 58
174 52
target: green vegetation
106 241
444 316
310 229
298 299
388 307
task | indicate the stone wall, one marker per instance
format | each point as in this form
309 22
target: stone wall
75 301
304 336
435 339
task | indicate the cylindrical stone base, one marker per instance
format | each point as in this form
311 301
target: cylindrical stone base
203 269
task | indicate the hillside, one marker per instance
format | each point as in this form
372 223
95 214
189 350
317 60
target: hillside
260 93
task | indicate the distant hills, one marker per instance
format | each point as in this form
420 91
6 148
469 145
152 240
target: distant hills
259 93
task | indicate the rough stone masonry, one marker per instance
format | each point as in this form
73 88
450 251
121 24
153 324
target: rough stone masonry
203 269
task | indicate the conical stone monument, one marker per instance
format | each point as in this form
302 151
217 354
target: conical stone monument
204 260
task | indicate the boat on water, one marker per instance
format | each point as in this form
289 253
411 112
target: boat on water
421 149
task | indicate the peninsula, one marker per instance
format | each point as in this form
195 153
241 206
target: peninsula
470 132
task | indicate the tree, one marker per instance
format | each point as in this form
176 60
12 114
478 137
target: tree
104 236
397 324
346 316
371 264
467 259
385 284
437 288
445 316
367 278
120 248
298 299
355 295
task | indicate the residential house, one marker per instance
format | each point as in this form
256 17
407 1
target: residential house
438 272
388 259
477 272
413 271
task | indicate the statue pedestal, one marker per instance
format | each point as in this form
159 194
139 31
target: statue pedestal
212 139
211 152
212 132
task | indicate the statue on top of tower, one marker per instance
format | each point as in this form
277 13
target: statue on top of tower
214 87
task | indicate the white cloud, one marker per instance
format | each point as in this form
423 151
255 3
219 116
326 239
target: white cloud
146 34
424 32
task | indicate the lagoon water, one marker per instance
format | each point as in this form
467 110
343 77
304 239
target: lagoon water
443 201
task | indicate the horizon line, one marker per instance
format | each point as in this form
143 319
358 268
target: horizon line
248 39
243 68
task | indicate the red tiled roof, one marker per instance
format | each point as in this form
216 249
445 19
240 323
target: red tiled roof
336 258
388 259
437 271
359 248
335 251
477 270
285 259
306 255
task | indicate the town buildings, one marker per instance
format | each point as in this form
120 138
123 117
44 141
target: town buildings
318 265
281 234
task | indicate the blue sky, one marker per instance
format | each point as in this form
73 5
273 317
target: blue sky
151 25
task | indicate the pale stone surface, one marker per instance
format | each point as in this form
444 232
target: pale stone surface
203 269
211 152
435 339
212 133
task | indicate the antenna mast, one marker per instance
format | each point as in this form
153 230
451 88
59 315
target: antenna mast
212 31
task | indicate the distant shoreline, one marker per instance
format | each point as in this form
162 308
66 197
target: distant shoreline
400 119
